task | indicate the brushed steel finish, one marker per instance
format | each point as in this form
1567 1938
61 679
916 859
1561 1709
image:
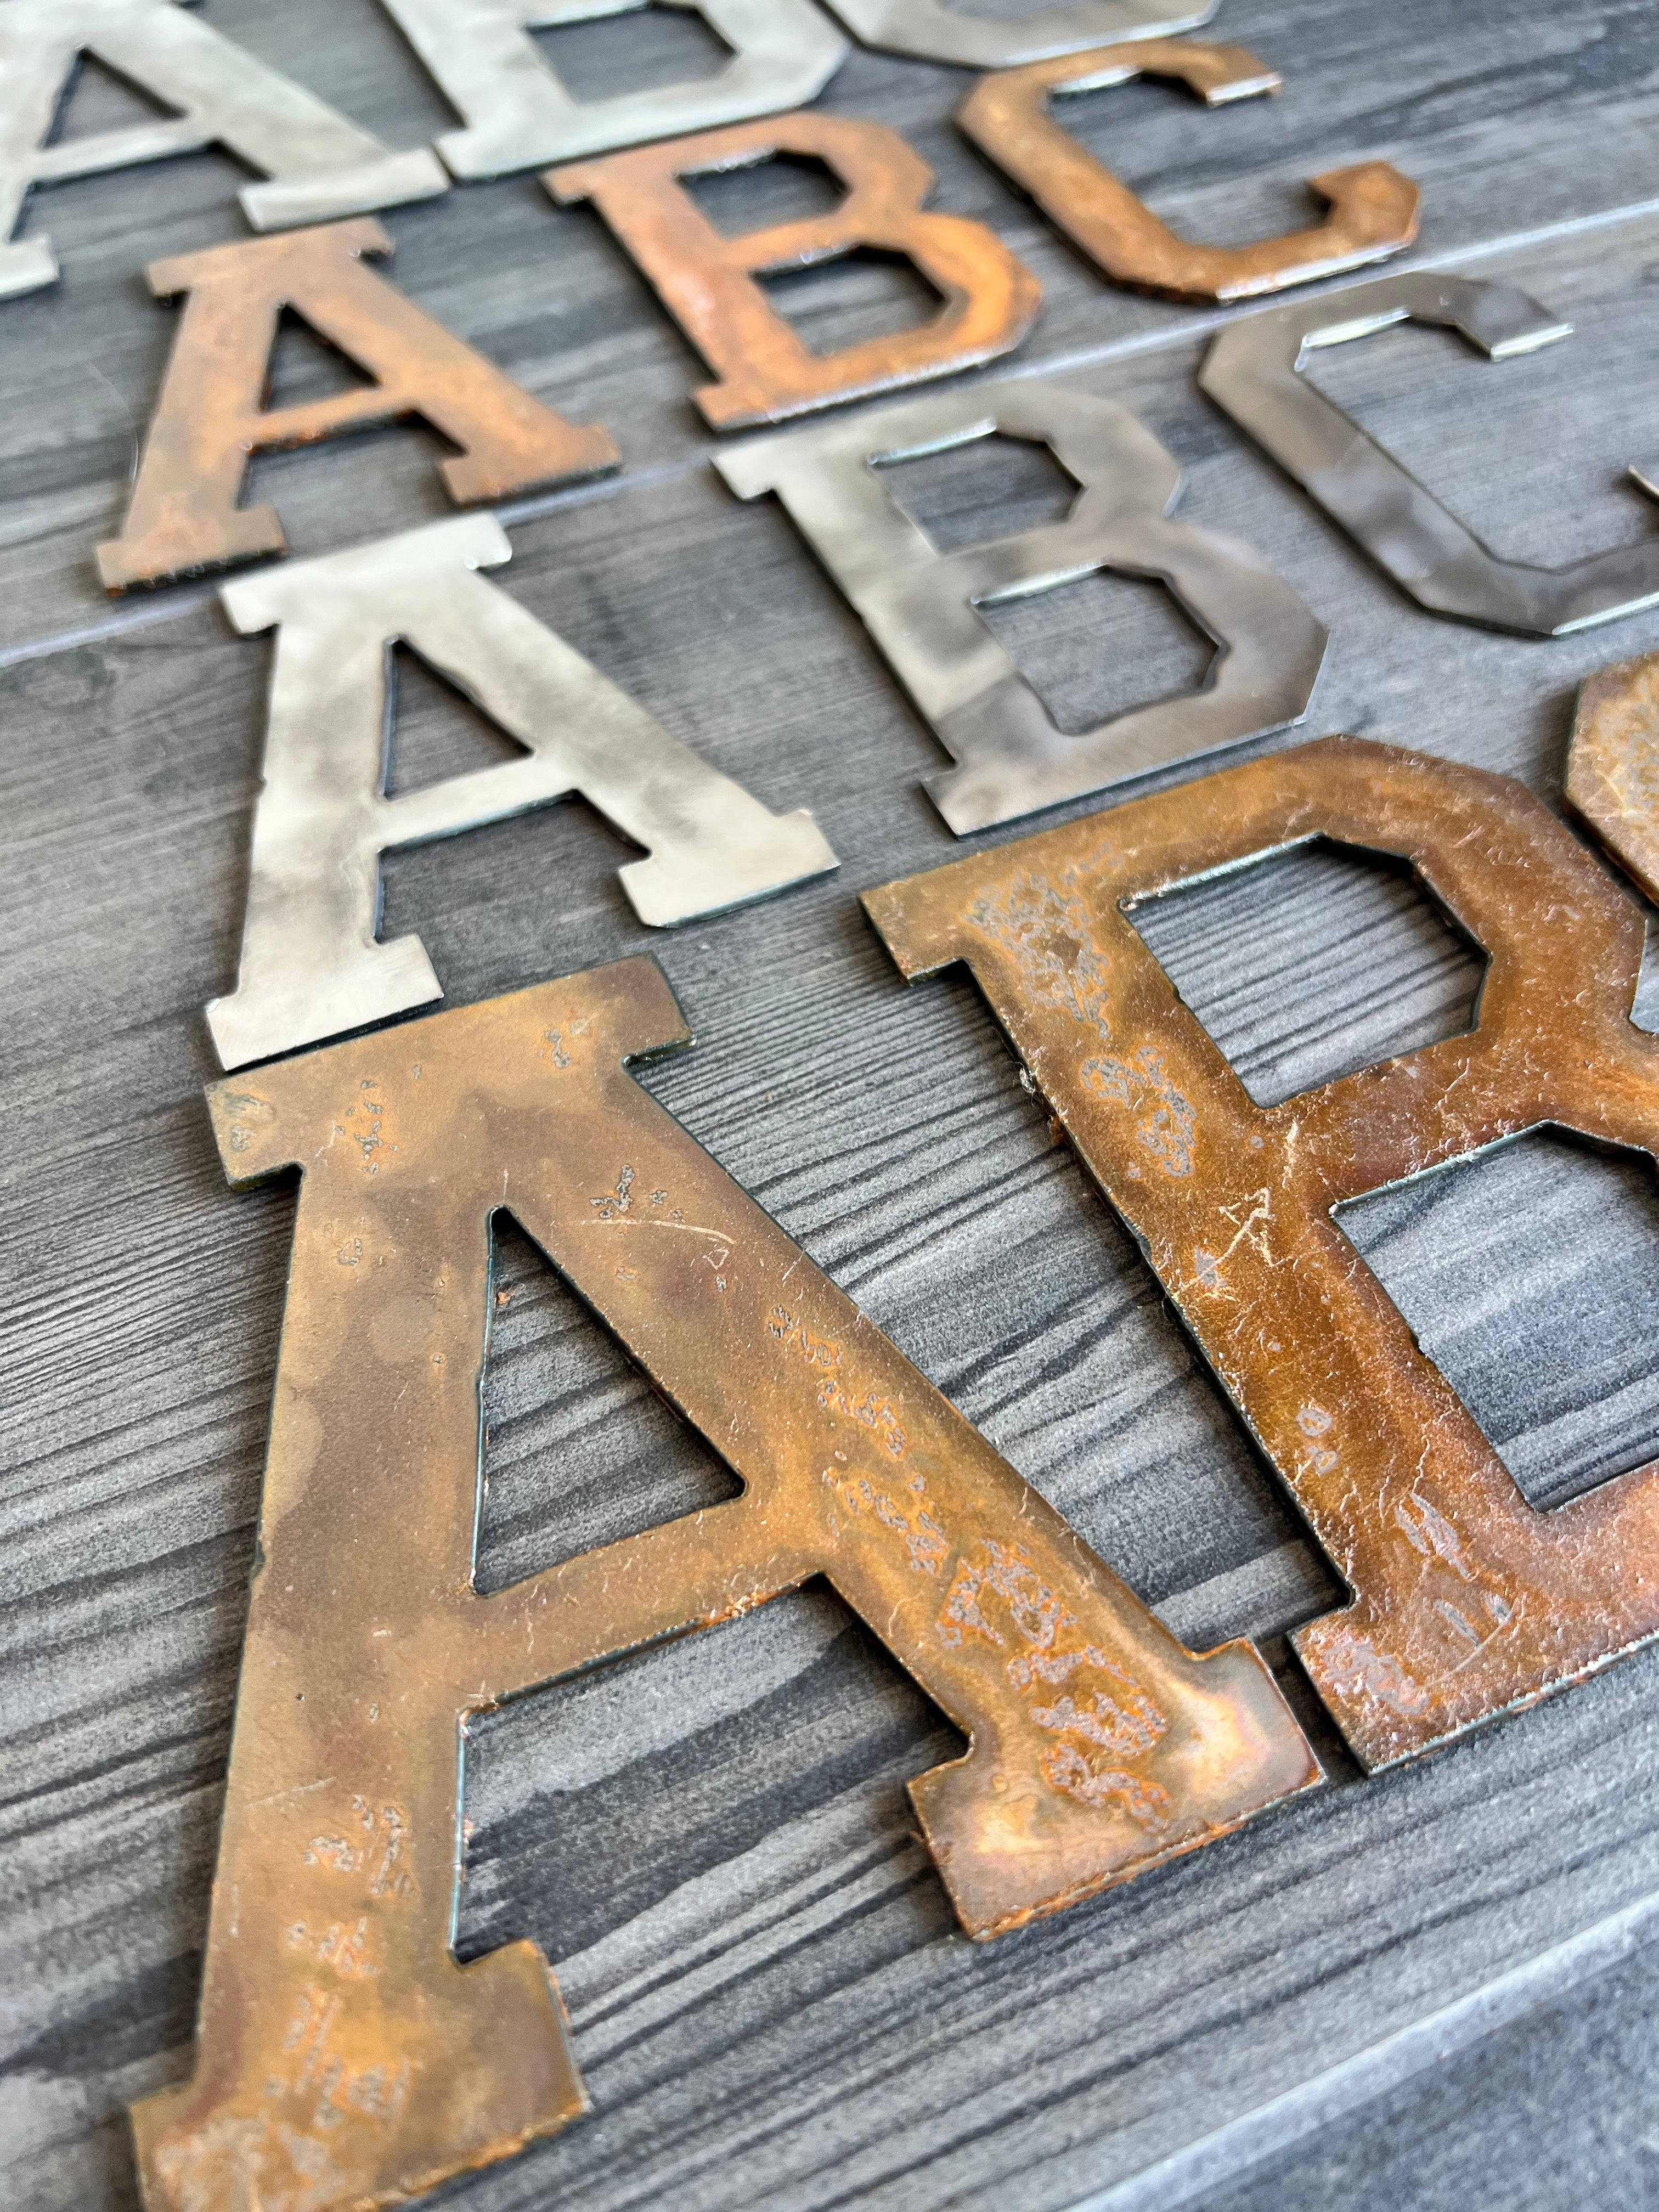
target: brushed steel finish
934 31
312 963
1372 208
317 164
1468 1601
923 606
519 113
344 2058
1254 371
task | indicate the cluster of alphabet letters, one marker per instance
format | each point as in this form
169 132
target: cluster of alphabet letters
344 2058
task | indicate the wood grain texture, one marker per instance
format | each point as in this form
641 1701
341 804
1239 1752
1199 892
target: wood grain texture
712 1843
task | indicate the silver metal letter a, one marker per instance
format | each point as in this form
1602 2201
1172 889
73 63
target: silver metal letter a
311 966
318 164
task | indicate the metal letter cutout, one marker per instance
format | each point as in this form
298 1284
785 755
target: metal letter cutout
936 31
1467 1603
1252 370
184 516
708 282
341 2046
1373 208
311 966
318 163
518 114
923 606
1612 765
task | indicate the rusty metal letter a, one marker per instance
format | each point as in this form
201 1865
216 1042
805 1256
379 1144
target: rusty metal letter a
344 2057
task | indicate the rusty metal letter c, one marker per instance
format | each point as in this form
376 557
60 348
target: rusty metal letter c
1373 208
341 2045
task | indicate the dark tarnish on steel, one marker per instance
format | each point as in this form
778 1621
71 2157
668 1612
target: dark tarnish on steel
707 282
1612 765
211 417
1373 208
345 2058
1467 1601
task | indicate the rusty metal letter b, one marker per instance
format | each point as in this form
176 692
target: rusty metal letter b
311 964
344 2058
707 280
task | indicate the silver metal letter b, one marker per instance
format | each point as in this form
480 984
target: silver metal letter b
923 606
311 966
519 113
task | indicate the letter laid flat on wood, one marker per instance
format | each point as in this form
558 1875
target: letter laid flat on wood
1612 765
318 164
1468 1601
519 113
707 282
210 417
923 606
311 962
340 2043
975 38
1254 371
1373 208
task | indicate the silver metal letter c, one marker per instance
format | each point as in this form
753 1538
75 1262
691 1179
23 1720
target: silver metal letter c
934 31
1254 371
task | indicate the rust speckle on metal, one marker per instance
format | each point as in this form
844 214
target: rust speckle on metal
1612 767
1373 208
344 2058
1467 1603
707 282
210 418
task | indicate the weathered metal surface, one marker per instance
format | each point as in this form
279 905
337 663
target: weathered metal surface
1613 764
1373 208
318 164
708 284
519 113
208 420
1466 1602
1254 370
344 2058
923 606
938 31
313 964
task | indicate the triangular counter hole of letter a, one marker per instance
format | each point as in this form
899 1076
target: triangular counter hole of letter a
433 732
99 99
579 1449
304 368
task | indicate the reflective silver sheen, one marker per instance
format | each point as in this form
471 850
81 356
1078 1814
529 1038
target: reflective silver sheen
519 114
318 164
1254 370
921 607
945 31
311 966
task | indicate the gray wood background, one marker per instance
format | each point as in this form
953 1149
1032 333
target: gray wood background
1436 1988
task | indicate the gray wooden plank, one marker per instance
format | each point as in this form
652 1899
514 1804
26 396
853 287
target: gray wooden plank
712 1842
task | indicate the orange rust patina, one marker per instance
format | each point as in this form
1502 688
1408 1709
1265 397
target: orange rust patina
1467 1601
1373 208
211 417
1612 767
344 2058
707 282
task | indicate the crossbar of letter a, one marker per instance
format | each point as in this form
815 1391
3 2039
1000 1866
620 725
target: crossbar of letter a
339 2039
